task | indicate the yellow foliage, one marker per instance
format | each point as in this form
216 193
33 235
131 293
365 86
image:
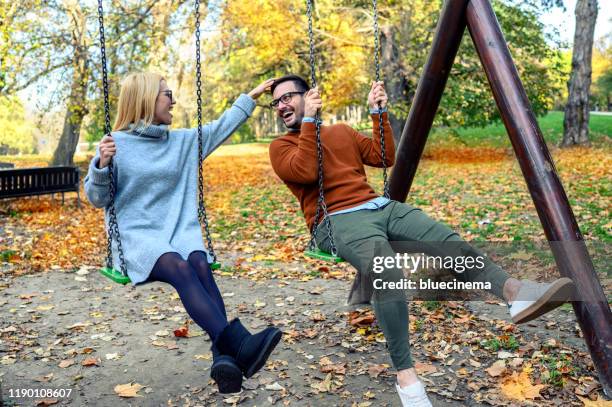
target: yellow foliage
256 47
602 60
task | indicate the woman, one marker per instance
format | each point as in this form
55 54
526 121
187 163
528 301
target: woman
156 170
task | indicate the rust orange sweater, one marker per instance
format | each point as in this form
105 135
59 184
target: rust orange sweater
345 152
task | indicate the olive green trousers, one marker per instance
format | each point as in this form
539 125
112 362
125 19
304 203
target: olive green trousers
361 235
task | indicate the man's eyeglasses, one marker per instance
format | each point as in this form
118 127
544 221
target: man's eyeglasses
168 93
286 98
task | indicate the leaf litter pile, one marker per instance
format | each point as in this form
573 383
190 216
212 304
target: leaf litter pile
260 235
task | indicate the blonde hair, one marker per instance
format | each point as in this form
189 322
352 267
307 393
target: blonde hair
137 98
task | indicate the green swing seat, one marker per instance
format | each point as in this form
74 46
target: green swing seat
115 275
321 255
118 277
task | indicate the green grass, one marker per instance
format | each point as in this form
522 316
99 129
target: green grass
431 305
556 368
507 342
495 135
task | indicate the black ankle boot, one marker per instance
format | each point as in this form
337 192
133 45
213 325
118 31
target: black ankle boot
249 351
225 372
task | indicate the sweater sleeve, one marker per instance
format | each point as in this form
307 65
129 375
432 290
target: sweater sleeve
370 148
217 131
296 163
97 183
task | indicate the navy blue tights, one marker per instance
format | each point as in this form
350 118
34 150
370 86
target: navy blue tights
196 287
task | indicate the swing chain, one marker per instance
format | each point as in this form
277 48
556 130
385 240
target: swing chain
321 205
380 119
313 76
113 226
202 217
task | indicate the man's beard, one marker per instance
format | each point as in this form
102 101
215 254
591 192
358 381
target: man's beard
295 127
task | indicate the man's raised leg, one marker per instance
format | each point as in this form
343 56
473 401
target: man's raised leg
528 300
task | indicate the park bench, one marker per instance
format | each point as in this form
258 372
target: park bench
21 182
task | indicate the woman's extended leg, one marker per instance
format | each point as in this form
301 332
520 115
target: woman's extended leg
199 262
202 308
232 339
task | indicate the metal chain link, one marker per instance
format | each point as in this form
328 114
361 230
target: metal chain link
113 226
380 119
202 217
321 205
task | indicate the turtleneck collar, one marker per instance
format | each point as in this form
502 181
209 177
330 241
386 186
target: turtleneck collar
151 131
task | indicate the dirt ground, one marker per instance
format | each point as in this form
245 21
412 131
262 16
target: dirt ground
79 331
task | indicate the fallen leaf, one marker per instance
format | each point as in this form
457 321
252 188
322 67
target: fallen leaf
232 400
586 388
128 390
317 317
497 369
310 333
365 320
519 387
182 332
45 378
505 355
516 362
375 370
369 395
424 368
112 356
46 402
66 363
520 255
259 304
274 387
91 362
325 385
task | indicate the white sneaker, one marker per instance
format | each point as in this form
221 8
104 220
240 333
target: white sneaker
535 299
413 395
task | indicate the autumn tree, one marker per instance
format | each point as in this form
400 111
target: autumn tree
55 46
26 47
576 121
79 63
407 29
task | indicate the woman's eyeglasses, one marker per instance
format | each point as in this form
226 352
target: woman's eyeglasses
168 93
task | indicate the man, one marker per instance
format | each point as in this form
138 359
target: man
363 223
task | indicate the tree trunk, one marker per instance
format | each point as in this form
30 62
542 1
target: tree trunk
576 122
76 108
395 83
